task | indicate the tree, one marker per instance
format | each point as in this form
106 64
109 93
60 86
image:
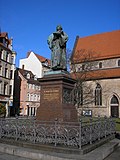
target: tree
2 110
83 70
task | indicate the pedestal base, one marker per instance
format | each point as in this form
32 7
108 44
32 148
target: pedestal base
55 100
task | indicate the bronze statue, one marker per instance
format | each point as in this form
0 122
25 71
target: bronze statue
57 43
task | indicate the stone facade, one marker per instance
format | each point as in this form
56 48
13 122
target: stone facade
7 68
102 71
110 88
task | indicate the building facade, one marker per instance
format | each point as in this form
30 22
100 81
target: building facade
96 60
26 93
7 68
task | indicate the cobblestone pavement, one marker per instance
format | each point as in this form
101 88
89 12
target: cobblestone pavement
5 156
115 155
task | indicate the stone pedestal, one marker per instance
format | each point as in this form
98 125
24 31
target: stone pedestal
55 102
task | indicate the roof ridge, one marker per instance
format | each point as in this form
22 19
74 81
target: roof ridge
96 34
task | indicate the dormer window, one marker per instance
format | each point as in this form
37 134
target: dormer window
35 77
28 76
83 66
100 65
46 63
119 63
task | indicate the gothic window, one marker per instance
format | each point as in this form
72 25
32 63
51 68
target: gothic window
114 100
98 95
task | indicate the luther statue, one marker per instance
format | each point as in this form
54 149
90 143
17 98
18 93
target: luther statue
57 44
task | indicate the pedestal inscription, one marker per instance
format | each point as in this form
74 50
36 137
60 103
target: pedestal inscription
51 94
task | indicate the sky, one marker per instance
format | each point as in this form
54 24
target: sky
30 22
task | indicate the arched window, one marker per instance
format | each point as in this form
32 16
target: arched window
114 103
98 95
28 96
114 100
28 76
119 63
100 65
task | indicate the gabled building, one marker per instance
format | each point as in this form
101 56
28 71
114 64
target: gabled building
26 93
102 52
37 64
7 68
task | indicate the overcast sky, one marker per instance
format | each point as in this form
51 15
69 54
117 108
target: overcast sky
30 22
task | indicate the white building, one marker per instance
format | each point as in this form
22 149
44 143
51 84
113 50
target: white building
35 63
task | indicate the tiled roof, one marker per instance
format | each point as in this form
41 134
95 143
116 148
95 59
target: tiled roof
98 74
24 74
102 46
41 58
3 34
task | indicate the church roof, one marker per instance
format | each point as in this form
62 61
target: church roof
100 46
41 58
98 74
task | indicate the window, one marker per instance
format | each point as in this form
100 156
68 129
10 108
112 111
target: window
28 97
114 100
35 77
7 56
12 59
98 95
6 72
31 97
5 89
1 70
35 97
28 76
11 73
100 65
83 66
119 63
10 89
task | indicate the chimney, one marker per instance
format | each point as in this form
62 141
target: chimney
23 66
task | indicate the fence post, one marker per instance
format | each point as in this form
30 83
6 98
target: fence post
55 132
80 134
99 128
34 130
90 130
105 124
0 131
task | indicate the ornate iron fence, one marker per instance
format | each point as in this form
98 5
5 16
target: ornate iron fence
57 133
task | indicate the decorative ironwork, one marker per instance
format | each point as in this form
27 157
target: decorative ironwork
68 134
67 95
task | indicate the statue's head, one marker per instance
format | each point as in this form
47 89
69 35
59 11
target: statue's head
59 27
